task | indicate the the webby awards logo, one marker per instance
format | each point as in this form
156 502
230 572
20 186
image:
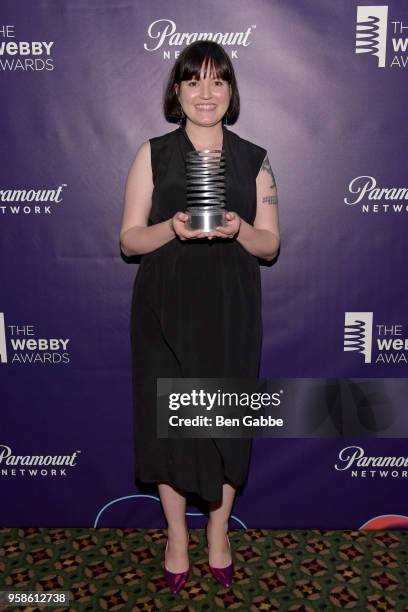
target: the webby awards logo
381 38
375 342
23 55
21 344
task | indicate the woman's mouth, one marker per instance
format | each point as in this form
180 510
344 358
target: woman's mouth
205 107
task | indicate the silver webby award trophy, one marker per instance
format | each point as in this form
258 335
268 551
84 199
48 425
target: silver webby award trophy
205 189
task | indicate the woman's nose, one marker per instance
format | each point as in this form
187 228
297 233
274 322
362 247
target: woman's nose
205 89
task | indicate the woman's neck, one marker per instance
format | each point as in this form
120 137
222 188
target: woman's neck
204 137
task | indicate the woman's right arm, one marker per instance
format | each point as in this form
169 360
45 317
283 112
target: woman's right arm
136 238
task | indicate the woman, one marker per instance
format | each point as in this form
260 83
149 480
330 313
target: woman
196 308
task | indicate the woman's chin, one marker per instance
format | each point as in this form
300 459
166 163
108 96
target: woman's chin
206 119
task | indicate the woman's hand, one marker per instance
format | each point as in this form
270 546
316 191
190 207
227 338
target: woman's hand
178 223
233 224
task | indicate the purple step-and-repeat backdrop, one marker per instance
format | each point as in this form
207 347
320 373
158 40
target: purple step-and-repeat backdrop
324 89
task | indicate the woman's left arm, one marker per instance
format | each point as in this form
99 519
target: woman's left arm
263 238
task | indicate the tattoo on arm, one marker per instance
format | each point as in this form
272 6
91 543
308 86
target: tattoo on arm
266 166
270 199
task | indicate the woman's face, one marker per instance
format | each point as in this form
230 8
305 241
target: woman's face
204 101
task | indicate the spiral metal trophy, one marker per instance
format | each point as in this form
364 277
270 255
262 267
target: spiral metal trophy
205 189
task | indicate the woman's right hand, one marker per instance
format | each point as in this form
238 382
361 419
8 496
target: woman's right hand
178 223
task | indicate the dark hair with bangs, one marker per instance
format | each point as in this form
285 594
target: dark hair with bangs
188 66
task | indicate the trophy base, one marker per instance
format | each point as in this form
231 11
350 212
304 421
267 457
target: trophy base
205 218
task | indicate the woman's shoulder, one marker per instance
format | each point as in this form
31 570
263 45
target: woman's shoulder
161 149
249 150
162 138
247 144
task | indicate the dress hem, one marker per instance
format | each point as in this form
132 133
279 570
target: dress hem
188 491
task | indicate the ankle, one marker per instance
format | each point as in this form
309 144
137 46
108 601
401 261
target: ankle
177 531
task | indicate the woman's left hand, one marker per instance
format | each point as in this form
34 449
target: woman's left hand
233 224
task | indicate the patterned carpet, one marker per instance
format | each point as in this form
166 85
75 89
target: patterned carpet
297 570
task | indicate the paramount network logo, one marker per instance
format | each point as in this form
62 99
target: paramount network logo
371 36
373 198
362 336
164 33
30 201
35 465
354 460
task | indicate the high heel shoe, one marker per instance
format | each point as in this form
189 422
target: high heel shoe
175 580
223 575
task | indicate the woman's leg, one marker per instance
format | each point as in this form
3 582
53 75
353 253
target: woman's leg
219 513
174 506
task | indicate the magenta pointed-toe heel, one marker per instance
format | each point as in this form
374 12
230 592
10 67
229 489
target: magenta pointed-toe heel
175 580
223 575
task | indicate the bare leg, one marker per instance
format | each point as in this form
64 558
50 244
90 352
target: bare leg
219 552
174 506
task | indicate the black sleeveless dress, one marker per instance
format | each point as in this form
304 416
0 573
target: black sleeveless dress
196 312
